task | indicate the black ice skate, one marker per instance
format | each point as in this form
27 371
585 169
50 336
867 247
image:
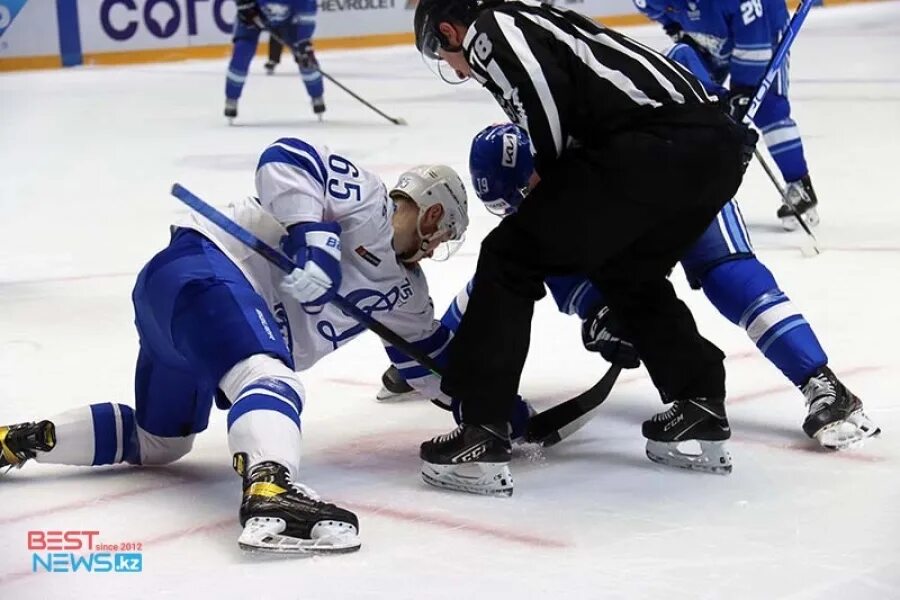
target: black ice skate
471 458
318 106
698 419
802 197
836 418
231 109
20 443
284 517
394 388
270 67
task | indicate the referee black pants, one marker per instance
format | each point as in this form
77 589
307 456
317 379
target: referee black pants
622 211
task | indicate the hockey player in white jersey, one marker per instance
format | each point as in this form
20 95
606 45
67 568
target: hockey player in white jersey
218 323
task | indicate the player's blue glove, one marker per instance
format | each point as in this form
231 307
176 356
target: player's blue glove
600 333
248 12
304 55
518 418
316 248
738 101
674 30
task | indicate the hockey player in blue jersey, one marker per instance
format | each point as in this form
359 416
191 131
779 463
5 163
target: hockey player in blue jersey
721 263
736 39
218 323
294 21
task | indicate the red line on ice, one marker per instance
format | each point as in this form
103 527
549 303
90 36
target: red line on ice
454 524
811 447
449 523
88 502
785 387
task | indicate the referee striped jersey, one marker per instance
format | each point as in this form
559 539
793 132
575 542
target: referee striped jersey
564 77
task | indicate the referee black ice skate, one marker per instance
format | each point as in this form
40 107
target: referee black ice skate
633 159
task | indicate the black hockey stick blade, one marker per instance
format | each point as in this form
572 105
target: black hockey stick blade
559 422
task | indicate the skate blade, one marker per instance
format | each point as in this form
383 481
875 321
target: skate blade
388 397
487 479
263 535
848 434
810 217
713 457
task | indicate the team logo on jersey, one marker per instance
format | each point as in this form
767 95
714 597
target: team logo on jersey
369 301
8 11
367 256
275 13
693 11
284 326
510 150
512 106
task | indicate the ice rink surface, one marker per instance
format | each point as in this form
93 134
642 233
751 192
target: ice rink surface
87 159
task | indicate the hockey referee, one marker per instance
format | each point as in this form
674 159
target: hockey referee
633 160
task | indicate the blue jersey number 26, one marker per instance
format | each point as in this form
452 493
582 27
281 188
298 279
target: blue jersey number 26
340 185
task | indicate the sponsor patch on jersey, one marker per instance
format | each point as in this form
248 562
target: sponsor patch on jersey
368 256
510 150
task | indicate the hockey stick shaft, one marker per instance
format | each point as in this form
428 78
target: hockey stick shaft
279 39
783 193
778 58
287 265
774 66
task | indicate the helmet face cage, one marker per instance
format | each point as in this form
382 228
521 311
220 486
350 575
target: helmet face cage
500 164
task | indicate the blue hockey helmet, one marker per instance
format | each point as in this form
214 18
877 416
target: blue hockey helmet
500 164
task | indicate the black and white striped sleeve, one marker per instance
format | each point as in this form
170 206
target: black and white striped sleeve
522 72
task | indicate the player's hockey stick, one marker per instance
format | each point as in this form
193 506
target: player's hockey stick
772 69
549 428
811 248
781 51
279 39
287 265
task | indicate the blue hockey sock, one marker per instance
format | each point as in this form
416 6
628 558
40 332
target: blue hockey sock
312 79
115 438
781 135
99 434
784 144
241 56
746 293
264 422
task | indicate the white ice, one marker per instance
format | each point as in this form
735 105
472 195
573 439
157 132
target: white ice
87 159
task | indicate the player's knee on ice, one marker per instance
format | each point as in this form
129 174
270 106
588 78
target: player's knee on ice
158 450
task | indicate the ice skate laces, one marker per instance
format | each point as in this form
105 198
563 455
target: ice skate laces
673 410
795 193
819 391
304 490
441 439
